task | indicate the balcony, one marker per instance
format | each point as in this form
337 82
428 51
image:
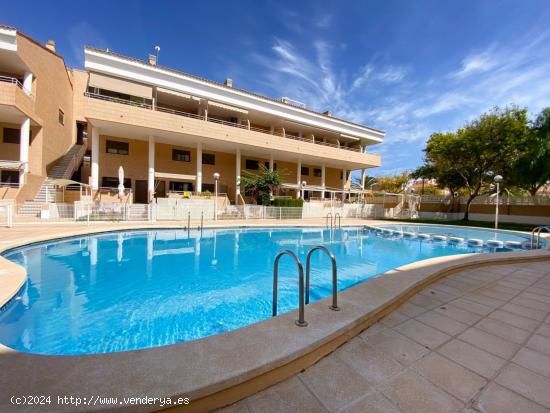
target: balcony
13 94
107 108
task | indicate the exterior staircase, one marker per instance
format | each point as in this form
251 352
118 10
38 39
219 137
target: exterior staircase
62 169
138 212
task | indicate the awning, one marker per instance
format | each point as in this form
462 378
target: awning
180 177
120 85
11 165
65 182
227 107
178 94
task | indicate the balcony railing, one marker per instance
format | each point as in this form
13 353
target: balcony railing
13 80
213 120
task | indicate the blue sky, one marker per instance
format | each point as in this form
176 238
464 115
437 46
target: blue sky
410 68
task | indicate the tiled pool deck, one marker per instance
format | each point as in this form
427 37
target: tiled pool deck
476 341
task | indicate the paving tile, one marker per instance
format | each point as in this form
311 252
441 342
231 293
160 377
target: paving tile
497 295
450 376
397 346
537 297
489 342
372 364
540 344
514 320
288 396
393 319
544 330
372 330
530 385
524 311
411 310
509 283
458 314
412 393
539 290
239 407
485 300
440 295
373 402
422 333
448 289
534 304
442 323
497 399
472 306
334 383
425 301
477 360
504 330
534 361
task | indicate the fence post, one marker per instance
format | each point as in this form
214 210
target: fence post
280 213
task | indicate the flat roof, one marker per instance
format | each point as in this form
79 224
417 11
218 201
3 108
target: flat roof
222 85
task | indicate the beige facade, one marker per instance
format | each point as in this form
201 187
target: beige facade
170 139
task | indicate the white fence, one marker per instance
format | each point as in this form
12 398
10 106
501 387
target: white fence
6 214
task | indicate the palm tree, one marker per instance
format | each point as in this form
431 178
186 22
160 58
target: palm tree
262 185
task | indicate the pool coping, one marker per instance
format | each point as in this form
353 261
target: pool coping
260 354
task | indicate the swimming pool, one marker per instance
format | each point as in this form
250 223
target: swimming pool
139 289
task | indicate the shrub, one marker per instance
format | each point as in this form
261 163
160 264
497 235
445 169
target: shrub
288 202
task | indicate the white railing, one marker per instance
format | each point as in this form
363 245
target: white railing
6 213
490 200
74 163
214 120
14 81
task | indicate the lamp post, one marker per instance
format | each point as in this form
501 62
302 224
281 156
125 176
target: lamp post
498 180
304 183
216 179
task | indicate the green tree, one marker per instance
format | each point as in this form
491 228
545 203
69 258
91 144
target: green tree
469 157
261 185
392 183
532 168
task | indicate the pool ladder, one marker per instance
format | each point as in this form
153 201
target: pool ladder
536 233
303 285
333 220
188 228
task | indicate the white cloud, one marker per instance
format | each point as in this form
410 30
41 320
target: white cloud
83 34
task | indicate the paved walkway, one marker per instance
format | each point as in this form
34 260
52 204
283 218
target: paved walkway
477 341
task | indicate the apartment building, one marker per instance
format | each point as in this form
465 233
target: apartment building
170 131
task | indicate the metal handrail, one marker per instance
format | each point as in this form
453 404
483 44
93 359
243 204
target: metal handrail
326 220
15 81
334 305
301 322
337 215
214 120
537 231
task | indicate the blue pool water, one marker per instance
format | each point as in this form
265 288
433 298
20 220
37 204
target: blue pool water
132 290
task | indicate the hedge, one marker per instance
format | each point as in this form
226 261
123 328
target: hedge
288 202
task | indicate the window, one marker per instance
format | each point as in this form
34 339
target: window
118 148
209 159
208 188
176 186
61 117
317 172
251 164
305 171
10 177
12 135
112 182
179 155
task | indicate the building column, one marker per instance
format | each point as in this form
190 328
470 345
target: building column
323 180
24 142
344 180
298 178
363 179
27 83
199 168
95 158
237 175
151 170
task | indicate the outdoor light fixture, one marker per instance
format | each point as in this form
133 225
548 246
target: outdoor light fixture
498 180
304 183
216 179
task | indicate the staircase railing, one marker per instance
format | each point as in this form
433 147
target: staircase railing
74 162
